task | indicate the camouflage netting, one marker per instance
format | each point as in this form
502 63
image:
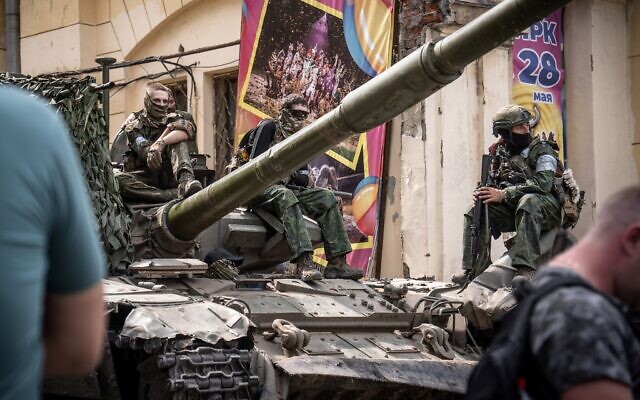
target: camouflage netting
79 105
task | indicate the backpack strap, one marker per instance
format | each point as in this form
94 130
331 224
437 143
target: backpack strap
255 137
508 366
541 291
528 296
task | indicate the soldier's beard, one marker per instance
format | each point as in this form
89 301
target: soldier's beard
157 115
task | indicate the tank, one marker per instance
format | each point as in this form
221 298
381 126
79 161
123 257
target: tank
176 332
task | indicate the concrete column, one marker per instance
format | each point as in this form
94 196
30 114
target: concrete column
598 97
443 140
391 260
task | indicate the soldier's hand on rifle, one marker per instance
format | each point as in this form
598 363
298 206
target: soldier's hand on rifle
489 195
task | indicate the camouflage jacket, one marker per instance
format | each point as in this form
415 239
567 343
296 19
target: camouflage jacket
578 335
140 135
531 171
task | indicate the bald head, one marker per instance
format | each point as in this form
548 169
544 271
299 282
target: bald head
619 212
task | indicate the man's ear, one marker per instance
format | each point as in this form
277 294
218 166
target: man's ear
631 240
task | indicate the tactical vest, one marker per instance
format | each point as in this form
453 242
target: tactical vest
509 170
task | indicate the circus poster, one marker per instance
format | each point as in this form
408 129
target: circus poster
322 50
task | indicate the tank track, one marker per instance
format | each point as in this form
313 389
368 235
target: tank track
212 373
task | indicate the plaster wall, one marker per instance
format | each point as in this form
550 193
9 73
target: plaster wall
612 107
191 28
599 90
391 258
442 140
62 35
59 35
439 156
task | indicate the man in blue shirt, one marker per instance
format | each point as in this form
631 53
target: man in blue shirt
51 262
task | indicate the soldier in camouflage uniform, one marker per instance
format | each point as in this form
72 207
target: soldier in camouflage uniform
289 205
157 167
526 199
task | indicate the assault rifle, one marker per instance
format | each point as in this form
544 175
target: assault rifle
480 216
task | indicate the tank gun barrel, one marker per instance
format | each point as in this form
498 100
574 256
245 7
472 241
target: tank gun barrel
403 85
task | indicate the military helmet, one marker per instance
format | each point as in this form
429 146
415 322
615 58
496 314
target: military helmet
513 113
508 116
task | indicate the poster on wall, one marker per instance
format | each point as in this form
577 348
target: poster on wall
538 75
322 50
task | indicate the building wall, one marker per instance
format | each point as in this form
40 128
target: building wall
437 145
600 125
441 143
62 35
191 28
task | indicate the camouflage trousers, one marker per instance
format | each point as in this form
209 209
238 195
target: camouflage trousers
317 203
528 217
157 186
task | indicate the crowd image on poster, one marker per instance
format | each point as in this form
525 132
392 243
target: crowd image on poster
305 53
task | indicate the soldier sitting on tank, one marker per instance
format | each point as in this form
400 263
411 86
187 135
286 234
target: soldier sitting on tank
157 167
289 205
526 199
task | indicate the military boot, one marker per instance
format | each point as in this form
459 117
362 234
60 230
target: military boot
188 185
305 269
339 269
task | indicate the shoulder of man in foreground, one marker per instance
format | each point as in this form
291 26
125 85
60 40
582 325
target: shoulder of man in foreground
73 312
580 337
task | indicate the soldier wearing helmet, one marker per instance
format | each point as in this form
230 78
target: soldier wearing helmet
523 196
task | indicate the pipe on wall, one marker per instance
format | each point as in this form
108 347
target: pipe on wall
12 34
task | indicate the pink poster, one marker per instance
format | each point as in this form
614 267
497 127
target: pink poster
538 75
321 49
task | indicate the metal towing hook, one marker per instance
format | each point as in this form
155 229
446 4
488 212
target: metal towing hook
435 339
292 338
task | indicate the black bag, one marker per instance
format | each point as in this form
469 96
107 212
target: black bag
507 368
246 148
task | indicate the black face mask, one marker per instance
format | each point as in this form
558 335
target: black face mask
517 143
